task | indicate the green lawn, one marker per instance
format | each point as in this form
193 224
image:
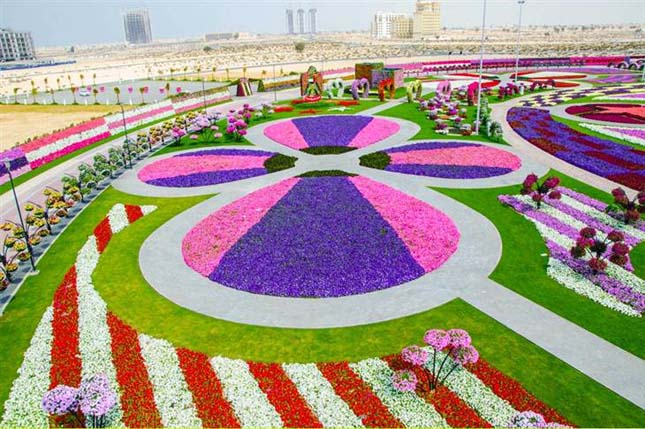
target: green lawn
523 269
121 284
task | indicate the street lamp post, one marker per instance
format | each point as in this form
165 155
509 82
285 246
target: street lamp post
127 140
204 94
517 49
7 164
481 70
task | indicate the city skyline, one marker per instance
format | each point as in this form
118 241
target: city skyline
43 19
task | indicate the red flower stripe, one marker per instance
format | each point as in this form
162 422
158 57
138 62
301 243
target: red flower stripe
212 407
65 356
283 395
134 213
456 412
137 398
358 395
513 392
103 234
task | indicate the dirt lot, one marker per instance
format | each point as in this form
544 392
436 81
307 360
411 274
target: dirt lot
19 122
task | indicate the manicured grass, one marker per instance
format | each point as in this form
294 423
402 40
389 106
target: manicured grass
410 112
279 162
523 269
576 126
119 281
327 150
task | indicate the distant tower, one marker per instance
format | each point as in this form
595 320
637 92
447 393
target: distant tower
301 21
289 16
137 26
312 21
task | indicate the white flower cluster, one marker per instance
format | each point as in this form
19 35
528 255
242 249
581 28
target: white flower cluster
23 408
64 142
611 131
407 407
329 408
250 404
172 395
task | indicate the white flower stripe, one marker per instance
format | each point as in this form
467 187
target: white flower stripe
329 408
87 260
172 395
616 134
65 142
146 210
250 404
561 216
564 275
603 217
23 408
476 394
407 407
118 218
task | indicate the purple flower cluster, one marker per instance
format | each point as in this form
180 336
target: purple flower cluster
448 171
60 400
208 178
322 239
331 130
603 157
94 398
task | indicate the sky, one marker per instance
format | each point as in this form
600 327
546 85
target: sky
83 22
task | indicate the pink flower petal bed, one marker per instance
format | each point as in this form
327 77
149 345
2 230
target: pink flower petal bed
353 131
320 237
205 167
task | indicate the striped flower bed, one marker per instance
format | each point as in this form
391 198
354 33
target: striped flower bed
160 385
615 113
205 167
632 135
342 235
452 160
558 222
350 131
614 161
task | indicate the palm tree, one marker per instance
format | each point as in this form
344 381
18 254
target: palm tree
168 89
15 94
199 73
82 77
69 79
244 71
58 82
117 92
95 92
214 69
46 84
94 79
51 92
142 90
172 71
227 76
34 92
73 89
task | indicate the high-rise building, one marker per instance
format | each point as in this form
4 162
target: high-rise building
427 19
388 25
289 17
300 21
15 46
312 21
137 27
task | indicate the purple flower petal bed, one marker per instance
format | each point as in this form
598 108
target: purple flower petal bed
317 237
348 131
451 160
206 167
606 158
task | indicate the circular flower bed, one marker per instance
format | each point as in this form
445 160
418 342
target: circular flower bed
348 132
618 113
212 166
451 160
323 236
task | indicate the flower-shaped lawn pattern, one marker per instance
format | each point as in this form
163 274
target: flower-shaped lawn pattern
452 160
206 167
320 237
618 113
349 131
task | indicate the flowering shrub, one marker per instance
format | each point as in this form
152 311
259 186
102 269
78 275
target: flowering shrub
590 243
630 210
538 191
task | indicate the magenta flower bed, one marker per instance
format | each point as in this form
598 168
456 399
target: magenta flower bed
320 237
205 167
320 131
69 149
617 113
68 132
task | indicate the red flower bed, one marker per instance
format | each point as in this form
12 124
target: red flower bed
547 145
347 103
308 112
456 412
284 395
280 109
614 160
633 180
358 395
103 233
134 213
137 398
65 355
212 408
512 391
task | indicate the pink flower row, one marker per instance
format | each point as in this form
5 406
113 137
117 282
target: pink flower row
69 132
118 122
69 149
185 165
482 156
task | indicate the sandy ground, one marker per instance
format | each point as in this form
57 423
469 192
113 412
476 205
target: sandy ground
18 123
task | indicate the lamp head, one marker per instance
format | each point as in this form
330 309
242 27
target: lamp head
7 163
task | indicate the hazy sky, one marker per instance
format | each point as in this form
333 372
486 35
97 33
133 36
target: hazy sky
67 22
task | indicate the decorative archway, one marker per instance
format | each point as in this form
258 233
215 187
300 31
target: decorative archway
386 84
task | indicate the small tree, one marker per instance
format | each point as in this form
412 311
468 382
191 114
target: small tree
117 92
15 95
539 191
589 243
95 92
207 49
73 90
630 210
142 91
300 47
